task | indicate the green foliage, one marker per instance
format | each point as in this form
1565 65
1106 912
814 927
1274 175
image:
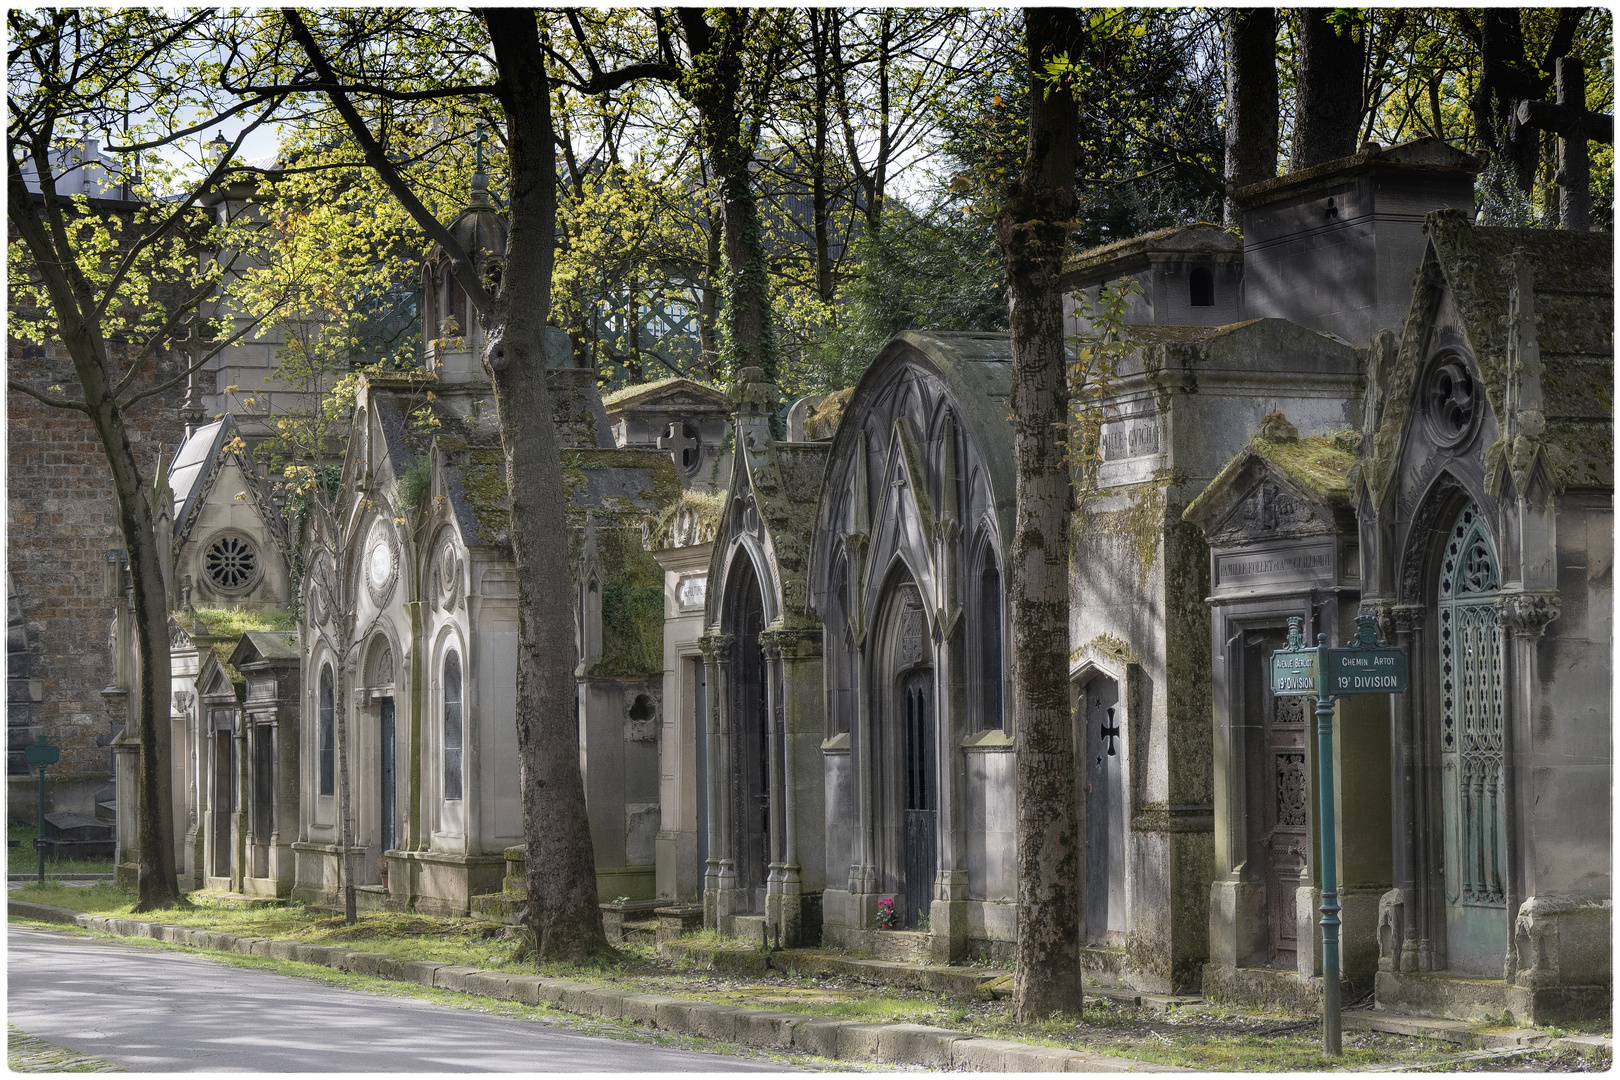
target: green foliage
234 622
414 484
1093 374
632 586
933 271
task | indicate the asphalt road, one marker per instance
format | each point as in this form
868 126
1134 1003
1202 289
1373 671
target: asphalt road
155 1011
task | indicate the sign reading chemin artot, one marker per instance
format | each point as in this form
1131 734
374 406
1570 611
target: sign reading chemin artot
1364 671
1367 666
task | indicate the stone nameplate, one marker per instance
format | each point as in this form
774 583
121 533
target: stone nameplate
691 591
1286 566
1130 437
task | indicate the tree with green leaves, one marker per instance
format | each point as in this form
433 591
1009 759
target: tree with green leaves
114 284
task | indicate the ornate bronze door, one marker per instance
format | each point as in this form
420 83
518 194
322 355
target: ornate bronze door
918 755
1470 670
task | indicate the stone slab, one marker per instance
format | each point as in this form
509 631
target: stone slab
819 1037
772 1029
454 977
420 972
490 984
858 1041
642 1008
917 1044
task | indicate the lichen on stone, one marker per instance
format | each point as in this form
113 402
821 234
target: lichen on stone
632 586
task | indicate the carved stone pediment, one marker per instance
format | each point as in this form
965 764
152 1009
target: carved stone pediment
1254 500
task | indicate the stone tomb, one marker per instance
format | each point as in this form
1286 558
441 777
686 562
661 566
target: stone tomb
1485 497
1282 539
1187 400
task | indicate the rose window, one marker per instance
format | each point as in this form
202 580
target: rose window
231 563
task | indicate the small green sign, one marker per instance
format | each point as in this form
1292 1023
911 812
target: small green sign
42 752
1365 671
1293 672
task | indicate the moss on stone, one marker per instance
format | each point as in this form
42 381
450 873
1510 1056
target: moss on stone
1319 464
484 484
701 512
632 606
822 423
234 622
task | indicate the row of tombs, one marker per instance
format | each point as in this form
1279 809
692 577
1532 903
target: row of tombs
792 676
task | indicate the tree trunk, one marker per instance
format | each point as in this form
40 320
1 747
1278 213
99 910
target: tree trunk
1251 101
715 88
1327 103
156 886
1033 231
561 866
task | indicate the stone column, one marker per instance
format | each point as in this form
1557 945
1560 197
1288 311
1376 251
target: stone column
241 838
771 646
1404 811
863 882
720 875
947 913
1524 615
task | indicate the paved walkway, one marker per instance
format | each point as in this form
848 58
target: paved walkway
154 1011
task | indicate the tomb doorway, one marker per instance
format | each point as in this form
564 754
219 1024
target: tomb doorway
921 805
1278 784
1105 791
224 791
264 787
1469 668
750 742
385 776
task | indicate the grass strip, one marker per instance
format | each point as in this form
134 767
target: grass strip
27 1053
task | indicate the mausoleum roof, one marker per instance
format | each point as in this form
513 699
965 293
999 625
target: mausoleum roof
644 395
1199 238
1428 154
1318 466
1572 276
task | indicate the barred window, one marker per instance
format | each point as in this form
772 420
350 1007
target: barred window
452 727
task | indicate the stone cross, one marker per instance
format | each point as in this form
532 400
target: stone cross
1574 125
197 347
681 446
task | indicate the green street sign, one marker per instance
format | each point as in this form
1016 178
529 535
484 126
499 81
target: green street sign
42 752
1365 671
1293 672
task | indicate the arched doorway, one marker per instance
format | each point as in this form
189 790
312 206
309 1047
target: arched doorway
905 776
750 744
921 800
1469 670
1104 788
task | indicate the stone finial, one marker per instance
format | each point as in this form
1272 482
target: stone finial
1274 427
752 394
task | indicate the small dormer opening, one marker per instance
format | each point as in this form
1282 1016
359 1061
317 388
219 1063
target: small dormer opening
1201 287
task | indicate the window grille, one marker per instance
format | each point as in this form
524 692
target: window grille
452 727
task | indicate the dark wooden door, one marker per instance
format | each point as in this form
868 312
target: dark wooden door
1280 815
224 800
921 795
385 772
750 745
264 797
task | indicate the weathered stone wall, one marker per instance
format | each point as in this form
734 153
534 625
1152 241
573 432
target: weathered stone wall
62 520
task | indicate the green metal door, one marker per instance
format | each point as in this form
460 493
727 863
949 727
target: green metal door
1471 750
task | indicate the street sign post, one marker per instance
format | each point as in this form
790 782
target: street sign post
1366 666
43 754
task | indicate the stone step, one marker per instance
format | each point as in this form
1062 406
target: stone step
749 929
497 907
241 900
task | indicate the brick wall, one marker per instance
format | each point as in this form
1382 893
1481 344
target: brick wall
61 521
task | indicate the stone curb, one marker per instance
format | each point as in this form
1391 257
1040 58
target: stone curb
900 1044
